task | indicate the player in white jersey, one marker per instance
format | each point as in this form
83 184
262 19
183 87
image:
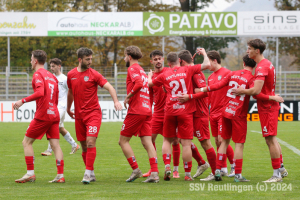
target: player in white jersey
55 65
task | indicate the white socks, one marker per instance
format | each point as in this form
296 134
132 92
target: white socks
276 173
70 140
49 147
224 169
88 172
175 168
30 172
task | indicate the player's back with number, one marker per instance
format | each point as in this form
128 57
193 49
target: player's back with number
237 106
46 106
140 102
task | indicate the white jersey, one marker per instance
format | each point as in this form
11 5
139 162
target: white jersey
63 91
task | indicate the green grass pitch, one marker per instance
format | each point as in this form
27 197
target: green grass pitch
112 169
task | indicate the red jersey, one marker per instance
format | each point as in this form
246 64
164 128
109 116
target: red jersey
140 103
159 95
84 86
201 104
236 107
176 81
216 99
265 71
45 83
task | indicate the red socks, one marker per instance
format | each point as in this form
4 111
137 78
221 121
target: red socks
187 166
176 154
221 160
60 166
275 163
90 158
84 157
167 158
196 155
153 164
230 155
133 163
281 159
211 157
29 162
238 166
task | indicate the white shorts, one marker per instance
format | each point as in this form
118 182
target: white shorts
62 113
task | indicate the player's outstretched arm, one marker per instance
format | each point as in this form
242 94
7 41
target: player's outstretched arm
69 104
113 94
265 97
258 84
39 92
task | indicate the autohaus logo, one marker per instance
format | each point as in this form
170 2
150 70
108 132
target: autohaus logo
155 23
73 22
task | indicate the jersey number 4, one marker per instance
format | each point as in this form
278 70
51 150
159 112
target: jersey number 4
235 86
175 85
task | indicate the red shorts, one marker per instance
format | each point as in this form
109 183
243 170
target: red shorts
216 125
157 123
89 126
184 123
38 128
137 125
201 128
269 122
237 129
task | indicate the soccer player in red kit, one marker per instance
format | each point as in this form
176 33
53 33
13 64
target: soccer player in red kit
159 99
265 82
46 119
176 82
201 126
138 118
83 84
234 118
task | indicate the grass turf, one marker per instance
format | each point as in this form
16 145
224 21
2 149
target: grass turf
112 169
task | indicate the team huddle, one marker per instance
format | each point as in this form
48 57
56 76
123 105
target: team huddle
184 105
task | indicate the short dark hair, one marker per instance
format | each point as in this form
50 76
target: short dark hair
172 57
55 61
214 55
40 55
257 44
134 52
156 53
248 61
186 56
83 51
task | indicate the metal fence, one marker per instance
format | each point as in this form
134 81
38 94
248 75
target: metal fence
17 84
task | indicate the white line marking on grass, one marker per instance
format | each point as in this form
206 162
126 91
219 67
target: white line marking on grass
294 149
10 155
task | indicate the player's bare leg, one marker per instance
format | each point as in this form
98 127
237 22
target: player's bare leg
128 152
275 158
59 161
176 157
167 152
187 158
29 159
154 136
148 145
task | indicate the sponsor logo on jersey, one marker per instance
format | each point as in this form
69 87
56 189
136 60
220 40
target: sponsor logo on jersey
145 105
176 106
201 81
210 79
86 78
134 75
50 112
38 81
219 77
73 78
51 104
229 110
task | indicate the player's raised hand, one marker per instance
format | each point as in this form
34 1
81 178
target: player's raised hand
201 51
118 106
18 104
71 114
150 74
183 98
278 98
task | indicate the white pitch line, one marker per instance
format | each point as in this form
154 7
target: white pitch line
294 149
